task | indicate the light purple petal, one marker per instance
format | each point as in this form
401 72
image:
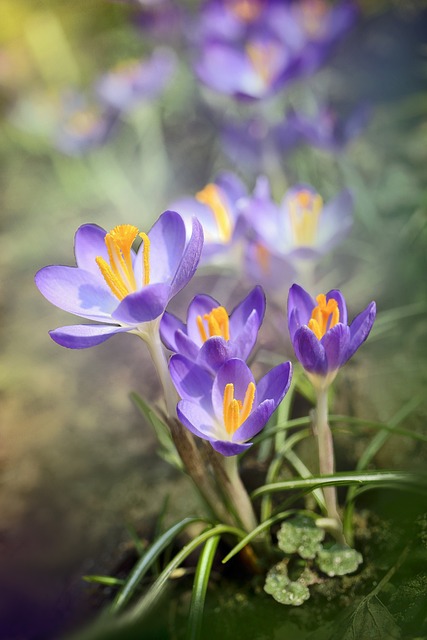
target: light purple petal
76 291
336 220
199 306
190 259
186 346
82 336
191 381
144 305
275 384
336 342
229 448
300 306
309 351
361 327
335 294
196 419
169 325
246 339
255 422
255 300
89 243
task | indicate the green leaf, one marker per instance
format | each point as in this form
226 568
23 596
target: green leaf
300 535
200 586
283 589
371 619
338 560
106 580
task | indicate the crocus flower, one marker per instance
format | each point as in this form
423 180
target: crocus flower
229 409
212 336
215 206
322 339
116 286
136 81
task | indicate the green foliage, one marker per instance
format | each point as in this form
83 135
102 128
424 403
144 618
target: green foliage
300 535
283 589
338 560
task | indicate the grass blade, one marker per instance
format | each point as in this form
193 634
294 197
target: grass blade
200 586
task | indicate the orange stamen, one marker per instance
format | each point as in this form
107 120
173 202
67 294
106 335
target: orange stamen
323 317
211 196
234 411
218 324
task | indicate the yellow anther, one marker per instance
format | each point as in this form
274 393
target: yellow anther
217 324
235 412
323 317
119 274
263 59
211 196
304 211
246 10
262 256
146 257
313 13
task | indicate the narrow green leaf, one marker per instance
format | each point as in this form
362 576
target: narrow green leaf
147 560
200 586
106 580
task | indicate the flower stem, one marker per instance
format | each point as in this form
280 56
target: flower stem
232 485
327 462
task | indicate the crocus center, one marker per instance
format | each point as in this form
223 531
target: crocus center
235 412
264 58
245 10
304 209
313 14
323 317
119 272
262 256
212 197
217 324
83 122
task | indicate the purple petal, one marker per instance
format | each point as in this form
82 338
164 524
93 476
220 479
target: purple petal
196 419
255 300
191 381
336 342
185 346
229 448
256 421
82 336
246 339
300 306
190 258
309 351
275 384
214 352
169 325
336 220
361 327
76 291
233 371
144 305
335 294
89 243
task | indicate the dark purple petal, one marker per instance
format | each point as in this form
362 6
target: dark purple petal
196 419
335 294
76 291
191 381
190 258
361 327
169 325
255 300
82 336
214 352
233 371
300 306
255 422
309 351
89 243
144 305
229 448
336 342
275 384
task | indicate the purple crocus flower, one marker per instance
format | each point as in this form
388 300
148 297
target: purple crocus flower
229 409
322 339
215 206
211 336
138 80
116 286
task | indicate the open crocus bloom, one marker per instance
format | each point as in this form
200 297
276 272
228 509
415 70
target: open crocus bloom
231 408
116 286
212 336
321 337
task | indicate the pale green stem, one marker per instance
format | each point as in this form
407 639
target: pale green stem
327 461
236 492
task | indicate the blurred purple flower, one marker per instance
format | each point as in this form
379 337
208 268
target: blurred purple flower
161 20
136 81
229 409
215 206
211 336
118 287
322 339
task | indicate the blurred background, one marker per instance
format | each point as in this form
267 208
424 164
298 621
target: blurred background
78 466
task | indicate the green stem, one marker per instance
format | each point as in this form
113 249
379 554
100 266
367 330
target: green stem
237 493
327 460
